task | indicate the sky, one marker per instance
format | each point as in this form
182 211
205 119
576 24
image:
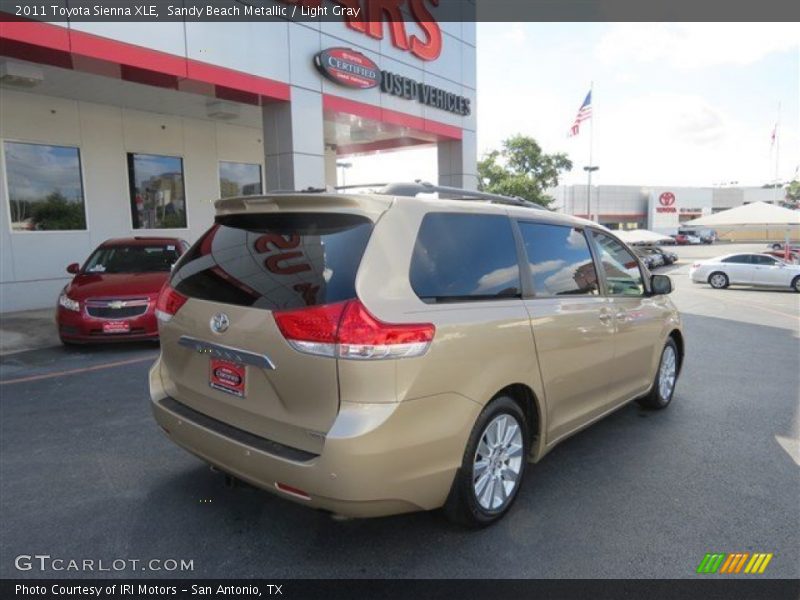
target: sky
674 103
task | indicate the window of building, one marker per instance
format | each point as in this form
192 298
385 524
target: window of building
623 276
239 179
158 195
559 259
45 189
462 257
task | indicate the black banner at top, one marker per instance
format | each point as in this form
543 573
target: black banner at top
310 11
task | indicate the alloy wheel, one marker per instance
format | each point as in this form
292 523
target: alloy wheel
497 463
667 372
718 280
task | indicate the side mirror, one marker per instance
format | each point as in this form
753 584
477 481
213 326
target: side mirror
74 268
660 285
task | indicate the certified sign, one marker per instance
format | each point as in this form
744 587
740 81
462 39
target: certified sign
227 376
348 67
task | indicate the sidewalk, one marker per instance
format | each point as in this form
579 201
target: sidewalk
27 330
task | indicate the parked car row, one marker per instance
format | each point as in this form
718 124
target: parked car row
654 256
692 237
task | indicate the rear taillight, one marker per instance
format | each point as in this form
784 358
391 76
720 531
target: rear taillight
313 330
169 302
348 330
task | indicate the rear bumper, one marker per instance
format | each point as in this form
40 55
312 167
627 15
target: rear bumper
378 459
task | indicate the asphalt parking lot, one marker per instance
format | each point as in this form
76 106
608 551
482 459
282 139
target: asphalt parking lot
86 473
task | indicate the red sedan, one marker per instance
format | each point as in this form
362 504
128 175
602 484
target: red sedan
113 296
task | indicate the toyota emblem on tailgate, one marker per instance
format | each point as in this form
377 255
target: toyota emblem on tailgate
219 323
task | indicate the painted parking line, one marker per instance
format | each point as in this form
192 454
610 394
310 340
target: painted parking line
761 307
99 367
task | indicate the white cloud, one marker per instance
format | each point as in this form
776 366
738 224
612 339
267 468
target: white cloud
498 279
673 118
546 266
696 45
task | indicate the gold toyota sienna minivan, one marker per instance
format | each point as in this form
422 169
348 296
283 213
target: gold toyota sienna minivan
372 354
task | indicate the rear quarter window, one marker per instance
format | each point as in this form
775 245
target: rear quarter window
275 261
465 257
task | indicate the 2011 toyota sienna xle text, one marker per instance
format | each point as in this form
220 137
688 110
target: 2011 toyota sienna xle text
379 353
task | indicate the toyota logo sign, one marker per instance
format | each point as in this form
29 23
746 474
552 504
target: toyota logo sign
667 199
219 323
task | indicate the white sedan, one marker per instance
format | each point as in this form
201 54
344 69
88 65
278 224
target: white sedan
760 270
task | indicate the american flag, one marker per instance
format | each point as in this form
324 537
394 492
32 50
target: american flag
584 113
774 136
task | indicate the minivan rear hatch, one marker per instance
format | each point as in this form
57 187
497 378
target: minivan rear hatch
223 353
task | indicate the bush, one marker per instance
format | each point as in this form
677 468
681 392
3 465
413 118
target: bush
57 213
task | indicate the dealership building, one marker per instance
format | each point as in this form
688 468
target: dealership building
663 209
123 129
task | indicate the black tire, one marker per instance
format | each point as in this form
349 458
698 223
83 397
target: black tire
462 505
776 246
718 286
796 284
656 399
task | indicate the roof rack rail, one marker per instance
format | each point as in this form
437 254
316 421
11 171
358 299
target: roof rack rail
454 193
358 186
309 190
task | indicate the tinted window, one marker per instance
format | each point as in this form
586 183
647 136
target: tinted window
45 191
158 198
764 260
739 259
239 179
275 261
560 260
132 259
459 257
623 276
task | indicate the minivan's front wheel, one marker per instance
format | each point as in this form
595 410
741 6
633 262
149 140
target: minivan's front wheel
666 377
492 467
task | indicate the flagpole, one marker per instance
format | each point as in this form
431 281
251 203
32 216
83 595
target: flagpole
777 154
590 167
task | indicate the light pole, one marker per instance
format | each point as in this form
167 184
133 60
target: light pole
344 165
589 169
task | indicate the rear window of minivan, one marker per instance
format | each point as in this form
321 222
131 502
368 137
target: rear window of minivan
275 261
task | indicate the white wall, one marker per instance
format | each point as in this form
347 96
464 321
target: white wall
32 263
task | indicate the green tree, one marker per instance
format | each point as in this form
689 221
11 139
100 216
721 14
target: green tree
57 213
521 169
793 193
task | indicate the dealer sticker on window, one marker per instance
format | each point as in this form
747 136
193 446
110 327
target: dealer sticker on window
227 376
